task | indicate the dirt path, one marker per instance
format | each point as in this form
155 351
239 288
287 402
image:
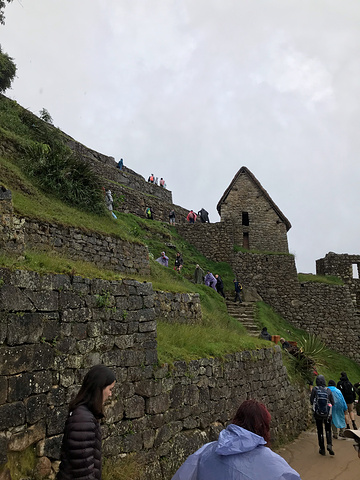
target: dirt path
303 455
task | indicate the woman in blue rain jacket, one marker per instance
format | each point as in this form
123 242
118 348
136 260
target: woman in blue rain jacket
240 452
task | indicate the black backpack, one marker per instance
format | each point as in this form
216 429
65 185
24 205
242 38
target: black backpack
347 389
321 405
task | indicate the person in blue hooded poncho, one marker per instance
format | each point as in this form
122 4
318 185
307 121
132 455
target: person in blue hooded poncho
240 452
339 410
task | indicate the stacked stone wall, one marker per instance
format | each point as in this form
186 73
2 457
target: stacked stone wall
178 307
341 265
327 311
54 327
266 230
105 251
213 240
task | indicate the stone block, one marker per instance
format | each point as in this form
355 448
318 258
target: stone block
134 407
24 358
166 432
130 358
24 328
55 419
3 326
69 300
27 436
124 341
73 314
95 329
131 443
86 346
115 328
13 299
3 450
47 300
12 414
159 404
50 447
79 331
42 381
20 387
148 388
147 326
42 469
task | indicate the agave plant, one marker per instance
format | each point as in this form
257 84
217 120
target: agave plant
313 348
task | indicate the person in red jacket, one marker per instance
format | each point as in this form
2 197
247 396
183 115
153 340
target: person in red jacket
81 446
191 216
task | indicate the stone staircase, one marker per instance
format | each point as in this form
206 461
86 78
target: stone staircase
245 313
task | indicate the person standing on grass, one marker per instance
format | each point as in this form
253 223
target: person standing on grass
163 260
219 285
178 262
322 400
199 275
80 456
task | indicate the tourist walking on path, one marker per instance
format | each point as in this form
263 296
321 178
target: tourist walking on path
238 288
81 446
204 216
191 217
210 280
219 285
240 452
339 410
172 217
348 391
120 164
199 275
163 260
151 178
162 182
321 398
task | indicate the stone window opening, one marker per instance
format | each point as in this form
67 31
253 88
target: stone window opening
355 271
246 240
245 219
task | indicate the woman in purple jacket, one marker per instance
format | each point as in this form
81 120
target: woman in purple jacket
81 445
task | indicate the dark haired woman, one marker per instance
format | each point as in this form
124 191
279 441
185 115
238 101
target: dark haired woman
81 446
240 451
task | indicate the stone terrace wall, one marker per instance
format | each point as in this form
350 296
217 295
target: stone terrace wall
214 240
273 276
328 312
54 327
178 307
340 265
105 251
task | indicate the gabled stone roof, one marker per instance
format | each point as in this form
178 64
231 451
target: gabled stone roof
261 189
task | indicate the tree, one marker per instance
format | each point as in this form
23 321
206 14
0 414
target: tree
7 71
2 6
45 115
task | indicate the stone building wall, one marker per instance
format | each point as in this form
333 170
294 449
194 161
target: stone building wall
213 240
105 251
341 265
266 231
54 327
178 307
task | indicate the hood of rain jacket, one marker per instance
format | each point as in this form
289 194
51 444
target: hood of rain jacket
238 454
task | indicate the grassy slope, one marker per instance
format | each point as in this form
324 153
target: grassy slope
219 334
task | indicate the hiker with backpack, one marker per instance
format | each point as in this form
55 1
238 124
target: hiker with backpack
348 391
149 213
322 401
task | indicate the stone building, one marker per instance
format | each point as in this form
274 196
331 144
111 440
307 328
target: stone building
257 221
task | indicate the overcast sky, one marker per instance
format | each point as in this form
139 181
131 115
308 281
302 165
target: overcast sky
191 90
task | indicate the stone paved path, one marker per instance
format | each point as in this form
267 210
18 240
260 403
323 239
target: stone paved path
303 455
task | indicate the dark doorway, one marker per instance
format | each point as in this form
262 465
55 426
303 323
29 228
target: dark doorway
246 240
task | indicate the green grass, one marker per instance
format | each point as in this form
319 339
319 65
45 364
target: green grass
329 279
218 335
328 362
